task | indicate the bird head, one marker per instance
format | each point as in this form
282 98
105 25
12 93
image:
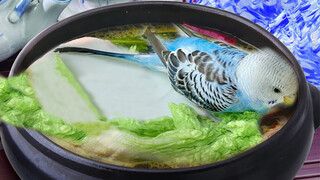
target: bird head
267 78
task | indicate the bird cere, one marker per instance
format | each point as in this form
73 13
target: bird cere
156 95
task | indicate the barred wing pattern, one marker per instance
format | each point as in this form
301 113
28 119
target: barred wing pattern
201 78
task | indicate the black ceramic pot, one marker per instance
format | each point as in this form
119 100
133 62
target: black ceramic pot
33 156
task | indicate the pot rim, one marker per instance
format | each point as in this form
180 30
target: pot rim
301 105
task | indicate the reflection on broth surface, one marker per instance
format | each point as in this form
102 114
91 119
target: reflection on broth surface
273 121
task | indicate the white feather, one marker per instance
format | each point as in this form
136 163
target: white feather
259 73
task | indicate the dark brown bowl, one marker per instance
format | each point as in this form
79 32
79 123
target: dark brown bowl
33 156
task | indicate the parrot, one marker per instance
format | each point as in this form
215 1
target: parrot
217 77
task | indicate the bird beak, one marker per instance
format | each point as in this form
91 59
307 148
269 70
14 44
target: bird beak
289 99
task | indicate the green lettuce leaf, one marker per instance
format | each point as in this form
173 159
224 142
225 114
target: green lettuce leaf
148 128
184 140
194 140
20 107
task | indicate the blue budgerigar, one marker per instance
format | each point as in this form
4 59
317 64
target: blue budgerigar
218 77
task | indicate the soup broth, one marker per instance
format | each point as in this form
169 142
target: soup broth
150 120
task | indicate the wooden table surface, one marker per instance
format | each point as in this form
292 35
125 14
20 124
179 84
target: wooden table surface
309 171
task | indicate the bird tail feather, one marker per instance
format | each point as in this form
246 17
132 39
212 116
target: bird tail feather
147 60
157 46
93 51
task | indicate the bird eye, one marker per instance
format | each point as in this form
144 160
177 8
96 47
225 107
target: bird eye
276 90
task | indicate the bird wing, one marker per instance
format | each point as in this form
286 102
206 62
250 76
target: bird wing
201 79
228 56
